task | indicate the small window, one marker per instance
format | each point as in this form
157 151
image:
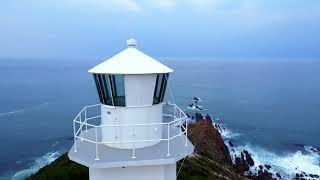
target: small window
160 88
110 89
117 84
107 89
99 90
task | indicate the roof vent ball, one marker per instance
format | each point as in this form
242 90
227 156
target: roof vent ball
131 42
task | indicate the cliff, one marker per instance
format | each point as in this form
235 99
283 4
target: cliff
211 159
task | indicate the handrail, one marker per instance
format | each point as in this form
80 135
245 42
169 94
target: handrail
141 140
178 117
126 125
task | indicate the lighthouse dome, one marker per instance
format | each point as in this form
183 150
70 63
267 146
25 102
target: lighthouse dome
131 61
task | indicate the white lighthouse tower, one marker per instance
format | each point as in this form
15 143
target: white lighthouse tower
132 133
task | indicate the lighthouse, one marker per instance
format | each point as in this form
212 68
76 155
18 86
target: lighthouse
132 133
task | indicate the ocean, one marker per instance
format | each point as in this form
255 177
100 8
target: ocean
271 107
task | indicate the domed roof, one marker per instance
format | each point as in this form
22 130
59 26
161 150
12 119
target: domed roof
130 61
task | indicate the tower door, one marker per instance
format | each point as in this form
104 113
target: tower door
113 122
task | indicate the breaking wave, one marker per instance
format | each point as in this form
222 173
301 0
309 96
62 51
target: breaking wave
38 164
22 110
11 112
227 134
287 165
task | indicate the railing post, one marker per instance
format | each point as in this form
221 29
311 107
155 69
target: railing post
74 136
97 155
85 118
81 124
133 145
168 140
180 127
186 133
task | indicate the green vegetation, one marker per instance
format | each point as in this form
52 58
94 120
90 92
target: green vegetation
62 168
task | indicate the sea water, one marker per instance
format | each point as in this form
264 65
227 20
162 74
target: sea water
271 107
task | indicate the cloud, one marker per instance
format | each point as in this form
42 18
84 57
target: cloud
165 3
205 3
107 5
122 5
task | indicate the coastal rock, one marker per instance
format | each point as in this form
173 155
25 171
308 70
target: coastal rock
239 165
278 175
314 175
208 141
230 144
208 117
267 166
198 116
244 162
248 158
299 176
219 128
264 175
211 158
246 166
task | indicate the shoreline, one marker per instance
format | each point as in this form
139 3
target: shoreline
288 166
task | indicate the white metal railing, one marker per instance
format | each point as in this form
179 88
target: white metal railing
178 116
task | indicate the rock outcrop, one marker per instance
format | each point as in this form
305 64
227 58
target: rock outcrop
211 158
243 162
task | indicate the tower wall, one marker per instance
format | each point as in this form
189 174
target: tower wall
160 172
131 115
139 89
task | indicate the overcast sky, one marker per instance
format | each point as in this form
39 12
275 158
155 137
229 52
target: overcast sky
84 29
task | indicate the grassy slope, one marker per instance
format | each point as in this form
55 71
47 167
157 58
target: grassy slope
62 168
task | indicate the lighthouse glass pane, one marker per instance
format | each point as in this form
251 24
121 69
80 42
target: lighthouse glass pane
118 92
160 88
95 76
156 98
103 88
107 89
164 86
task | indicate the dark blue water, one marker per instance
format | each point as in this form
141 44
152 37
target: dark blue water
276 102
273 105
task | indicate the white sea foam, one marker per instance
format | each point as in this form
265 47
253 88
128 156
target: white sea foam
227 134
38 164
12 112
22 110
311 149
196 109
286 164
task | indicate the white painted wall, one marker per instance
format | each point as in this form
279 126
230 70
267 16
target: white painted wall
139 89
131 115
161 172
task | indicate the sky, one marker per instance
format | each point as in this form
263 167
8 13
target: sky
86 29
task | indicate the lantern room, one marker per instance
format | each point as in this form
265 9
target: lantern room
131 87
